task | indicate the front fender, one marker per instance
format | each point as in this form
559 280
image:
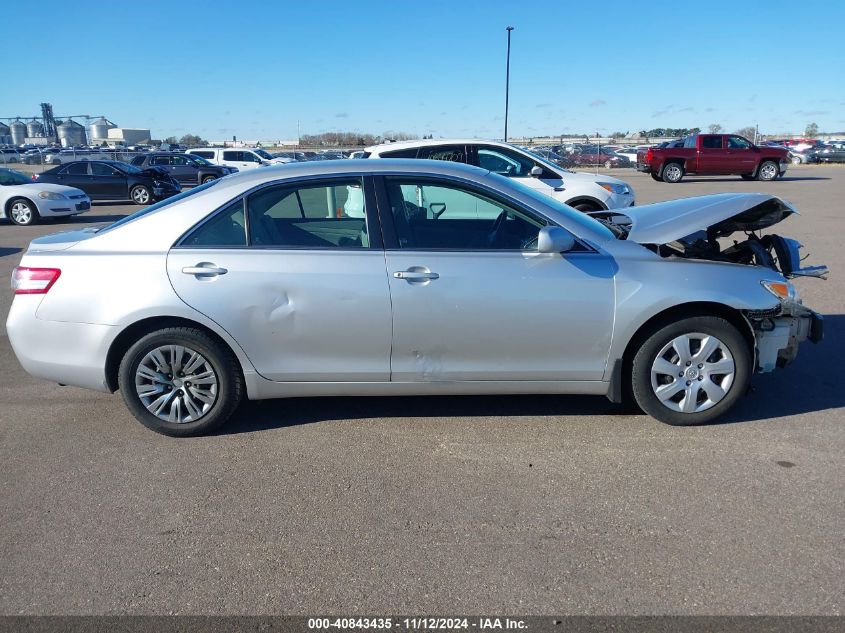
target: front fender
646 288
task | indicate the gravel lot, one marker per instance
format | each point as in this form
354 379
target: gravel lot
524 505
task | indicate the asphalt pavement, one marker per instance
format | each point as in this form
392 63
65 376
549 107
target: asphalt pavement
439 505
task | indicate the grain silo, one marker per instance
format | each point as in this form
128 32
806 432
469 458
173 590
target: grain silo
98 130
18 131
34 129
71 133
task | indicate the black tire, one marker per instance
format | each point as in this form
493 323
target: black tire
586 207
672 173
768 170
664 334
207 179
141 195
656 176
230 386
746 177
22 212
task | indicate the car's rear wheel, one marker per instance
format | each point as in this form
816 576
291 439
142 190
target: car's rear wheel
768 171
180 382
608 164
691 371
208 179
140 195
673 173
23 213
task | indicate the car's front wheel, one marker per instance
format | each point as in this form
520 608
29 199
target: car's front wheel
180 382
796 160
768 171
655 176
23 212
208 179
691 371
140 194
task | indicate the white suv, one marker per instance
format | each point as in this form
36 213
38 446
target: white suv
585 192
240 157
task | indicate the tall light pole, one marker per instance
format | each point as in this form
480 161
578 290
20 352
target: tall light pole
507 81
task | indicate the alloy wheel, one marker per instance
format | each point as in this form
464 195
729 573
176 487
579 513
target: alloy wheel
768 171
141 195
176 384
21 213
692 373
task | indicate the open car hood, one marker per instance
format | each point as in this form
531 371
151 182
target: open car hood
691 228
719 214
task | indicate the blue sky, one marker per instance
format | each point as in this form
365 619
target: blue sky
255 69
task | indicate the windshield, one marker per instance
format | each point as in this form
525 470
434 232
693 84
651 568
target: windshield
572 216
263 154
159 205
9 177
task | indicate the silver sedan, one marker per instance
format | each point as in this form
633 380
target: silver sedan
409 277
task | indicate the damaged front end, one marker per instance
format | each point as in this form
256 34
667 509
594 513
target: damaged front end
701 228
780 330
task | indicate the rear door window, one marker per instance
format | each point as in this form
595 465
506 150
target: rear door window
76 169
451 153
711 142
313 215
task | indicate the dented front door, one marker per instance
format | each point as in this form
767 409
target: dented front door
487 315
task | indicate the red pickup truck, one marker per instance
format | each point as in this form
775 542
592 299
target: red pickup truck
711 154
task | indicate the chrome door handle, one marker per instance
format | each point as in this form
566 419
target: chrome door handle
414 275
204 269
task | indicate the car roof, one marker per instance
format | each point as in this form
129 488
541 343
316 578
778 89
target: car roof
356 166
435 141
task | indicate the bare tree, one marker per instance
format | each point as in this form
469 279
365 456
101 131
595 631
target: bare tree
714 128
748 132
812 131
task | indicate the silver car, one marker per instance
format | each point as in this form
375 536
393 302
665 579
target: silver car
450 280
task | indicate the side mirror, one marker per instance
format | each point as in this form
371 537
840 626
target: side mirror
553 239
536 171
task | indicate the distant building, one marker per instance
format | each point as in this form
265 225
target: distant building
124 136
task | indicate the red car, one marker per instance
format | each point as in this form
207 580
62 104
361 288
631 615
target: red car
594 155
714 154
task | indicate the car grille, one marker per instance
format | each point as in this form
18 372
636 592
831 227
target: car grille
79 197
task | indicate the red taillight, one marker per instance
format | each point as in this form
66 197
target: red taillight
33 281
648 156
35 176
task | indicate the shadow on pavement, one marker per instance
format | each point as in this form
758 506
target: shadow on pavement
8 251
700 179
274 414
88 219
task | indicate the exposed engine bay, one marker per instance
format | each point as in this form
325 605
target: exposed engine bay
698 228
772 251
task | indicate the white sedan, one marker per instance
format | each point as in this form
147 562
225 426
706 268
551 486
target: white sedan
24 202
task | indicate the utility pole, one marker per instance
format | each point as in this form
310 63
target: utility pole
507 81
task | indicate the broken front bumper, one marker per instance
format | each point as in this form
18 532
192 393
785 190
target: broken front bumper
778 337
